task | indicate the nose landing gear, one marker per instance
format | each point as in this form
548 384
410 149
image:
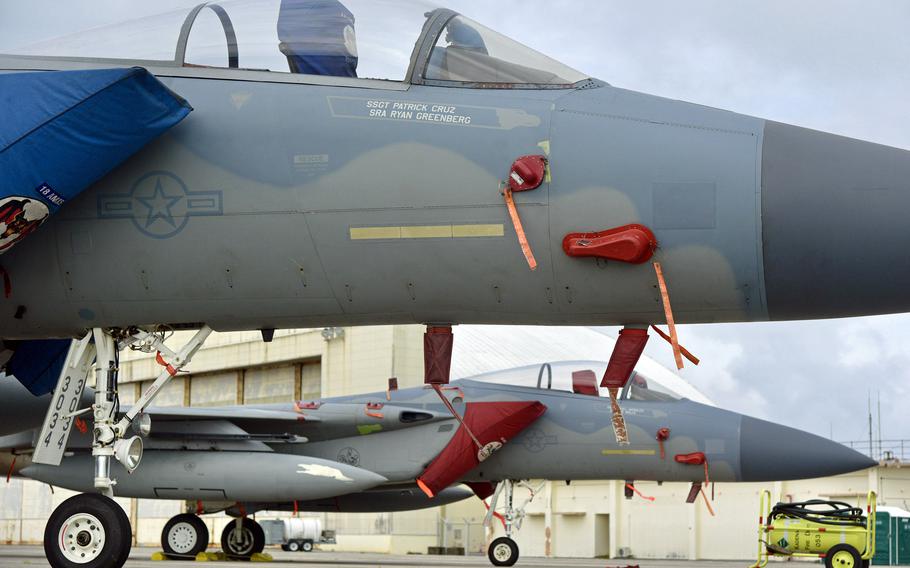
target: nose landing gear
503 551
91 530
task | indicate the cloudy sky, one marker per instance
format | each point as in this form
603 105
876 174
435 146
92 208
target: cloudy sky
834 65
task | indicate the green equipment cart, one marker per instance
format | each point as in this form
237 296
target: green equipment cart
835 531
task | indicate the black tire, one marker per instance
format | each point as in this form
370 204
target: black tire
251 542
293 546
503 552
843 556
184 536
307 546
284 547
81 522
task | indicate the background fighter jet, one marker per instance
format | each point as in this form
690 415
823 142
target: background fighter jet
402 449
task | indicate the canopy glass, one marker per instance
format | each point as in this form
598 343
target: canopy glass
652 384
372 39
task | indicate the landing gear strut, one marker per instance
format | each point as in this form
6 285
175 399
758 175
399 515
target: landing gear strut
91 530
503 551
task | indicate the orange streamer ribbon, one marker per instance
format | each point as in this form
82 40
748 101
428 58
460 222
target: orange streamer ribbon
668 312
519 229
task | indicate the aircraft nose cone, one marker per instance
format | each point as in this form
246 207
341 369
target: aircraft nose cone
834 227
771 452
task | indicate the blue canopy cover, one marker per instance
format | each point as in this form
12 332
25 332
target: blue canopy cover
61 131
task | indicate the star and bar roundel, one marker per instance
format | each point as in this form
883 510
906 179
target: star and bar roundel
160 205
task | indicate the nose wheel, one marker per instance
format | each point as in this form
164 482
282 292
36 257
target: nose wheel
503 551
88 531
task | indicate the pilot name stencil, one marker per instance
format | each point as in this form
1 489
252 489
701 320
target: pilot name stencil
160 205
420 112
442 114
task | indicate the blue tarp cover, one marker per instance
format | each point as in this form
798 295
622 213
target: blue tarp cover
61 131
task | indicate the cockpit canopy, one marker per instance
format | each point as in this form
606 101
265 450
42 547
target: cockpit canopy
395 40
653 384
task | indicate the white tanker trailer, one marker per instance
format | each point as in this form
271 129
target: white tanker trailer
297 533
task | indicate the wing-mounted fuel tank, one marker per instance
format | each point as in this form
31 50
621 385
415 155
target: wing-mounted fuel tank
218 476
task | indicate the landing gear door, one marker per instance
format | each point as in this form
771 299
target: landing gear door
51 442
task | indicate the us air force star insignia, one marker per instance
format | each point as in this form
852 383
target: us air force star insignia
535 440
349 456
160 205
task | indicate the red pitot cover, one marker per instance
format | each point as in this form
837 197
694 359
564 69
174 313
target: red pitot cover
490 422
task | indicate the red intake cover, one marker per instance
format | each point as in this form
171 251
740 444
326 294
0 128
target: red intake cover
626 352
490 422
527 173
634 244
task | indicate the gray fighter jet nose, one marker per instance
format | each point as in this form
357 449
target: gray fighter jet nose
834 227
771 452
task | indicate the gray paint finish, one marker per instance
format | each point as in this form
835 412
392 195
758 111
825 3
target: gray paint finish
835 225
284 170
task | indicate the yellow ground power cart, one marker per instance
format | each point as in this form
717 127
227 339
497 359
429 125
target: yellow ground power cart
837 532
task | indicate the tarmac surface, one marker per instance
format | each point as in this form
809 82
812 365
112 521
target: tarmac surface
15 556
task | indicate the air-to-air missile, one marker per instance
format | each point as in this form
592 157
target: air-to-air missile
403 449
297 164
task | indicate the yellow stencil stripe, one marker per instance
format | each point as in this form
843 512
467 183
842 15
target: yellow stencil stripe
627 452
426 232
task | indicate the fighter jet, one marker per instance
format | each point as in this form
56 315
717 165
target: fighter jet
291 163
403 449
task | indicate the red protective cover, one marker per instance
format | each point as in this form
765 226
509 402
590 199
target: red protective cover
628 349
482 489
437 354
634 244
530 170
490 422
695 458
585 382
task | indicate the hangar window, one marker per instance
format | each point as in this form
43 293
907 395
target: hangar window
467 52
